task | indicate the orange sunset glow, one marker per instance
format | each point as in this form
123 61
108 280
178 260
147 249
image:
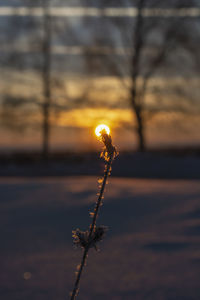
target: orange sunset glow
115 112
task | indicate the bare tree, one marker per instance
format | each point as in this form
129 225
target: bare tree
38 34
136 102
145 44
46 76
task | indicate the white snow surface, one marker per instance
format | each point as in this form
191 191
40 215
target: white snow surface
151 251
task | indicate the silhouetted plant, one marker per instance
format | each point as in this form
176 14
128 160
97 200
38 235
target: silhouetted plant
88 239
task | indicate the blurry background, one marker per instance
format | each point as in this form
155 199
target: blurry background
67 66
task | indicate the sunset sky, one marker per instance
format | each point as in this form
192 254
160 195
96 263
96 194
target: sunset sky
72 120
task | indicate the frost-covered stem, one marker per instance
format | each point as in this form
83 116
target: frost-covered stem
76 285
106 173
92 227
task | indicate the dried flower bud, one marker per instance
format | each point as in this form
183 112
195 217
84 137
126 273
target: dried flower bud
98 235
81 238
109 151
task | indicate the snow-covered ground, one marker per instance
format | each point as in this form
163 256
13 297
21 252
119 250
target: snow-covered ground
151 251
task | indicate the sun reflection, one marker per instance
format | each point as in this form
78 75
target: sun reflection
101 127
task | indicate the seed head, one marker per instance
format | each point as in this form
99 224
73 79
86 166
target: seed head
109 150
81 238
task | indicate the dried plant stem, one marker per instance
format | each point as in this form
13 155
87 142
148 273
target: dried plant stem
92 227
76 285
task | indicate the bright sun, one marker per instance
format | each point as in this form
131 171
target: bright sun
101 127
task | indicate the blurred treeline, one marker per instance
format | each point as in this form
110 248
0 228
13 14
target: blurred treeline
150 46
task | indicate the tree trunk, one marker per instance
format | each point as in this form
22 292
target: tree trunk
137 110
136 102
46 78
140 132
